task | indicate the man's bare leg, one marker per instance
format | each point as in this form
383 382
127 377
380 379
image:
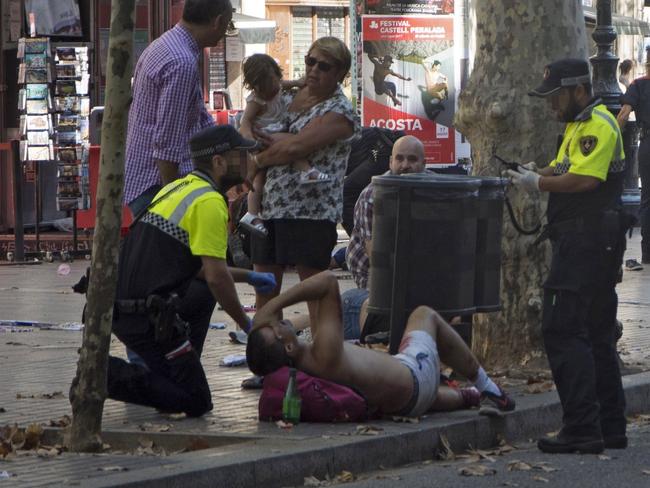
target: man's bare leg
453 351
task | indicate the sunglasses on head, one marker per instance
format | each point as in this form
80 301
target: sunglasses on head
322 65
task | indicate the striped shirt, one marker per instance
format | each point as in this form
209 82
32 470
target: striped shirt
167 109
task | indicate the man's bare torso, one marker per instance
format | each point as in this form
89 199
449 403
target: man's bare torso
384 381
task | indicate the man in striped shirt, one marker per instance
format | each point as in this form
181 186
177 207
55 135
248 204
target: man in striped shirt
168 106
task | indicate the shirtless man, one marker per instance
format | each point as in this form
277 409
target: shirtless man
406 384
381 71
436 82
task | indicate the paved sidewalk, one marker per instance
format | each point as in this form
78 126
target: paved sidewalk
36 363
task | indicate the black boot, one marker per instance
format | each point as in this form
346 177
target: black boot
564 444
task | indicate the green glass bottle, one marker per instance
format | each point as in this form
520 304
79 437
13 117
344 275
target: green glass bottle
291 402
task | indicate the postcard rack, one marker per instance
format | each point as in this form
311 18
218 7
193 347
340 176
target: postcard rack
54 105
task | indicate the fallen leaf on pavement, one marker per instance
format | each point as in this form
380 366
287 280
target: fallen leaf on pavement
387 477
444 452
42 396
345 477
177 416
406 420
517 465
476 470
602 457
482 454
539 387
312 481
64 421
145 443
539 478
47 453
368 430
149 427
33 434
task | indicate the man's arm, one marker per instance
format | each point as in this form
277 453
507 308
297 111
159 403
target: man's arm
568 183
168 171
222 286
623 115
401 77
320 132
327 328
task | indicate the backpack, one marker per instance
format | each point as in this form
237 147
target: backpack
322 400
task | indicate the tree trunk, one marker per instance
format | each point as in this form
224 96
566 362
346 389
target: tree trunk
88 390
514 40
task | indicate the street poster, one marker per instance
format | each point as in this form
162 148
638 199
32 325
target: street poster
408 79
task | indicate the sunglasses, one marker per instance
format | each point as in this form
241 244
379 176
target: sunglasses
322 65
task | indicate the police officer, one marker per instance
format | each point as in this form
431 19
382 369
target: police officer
585 182
637 99
180 237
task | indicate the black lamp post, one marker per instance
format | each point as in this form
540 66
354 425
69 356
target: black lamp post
606 87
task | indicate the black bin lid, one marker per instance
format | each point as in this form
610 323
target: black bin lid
428 180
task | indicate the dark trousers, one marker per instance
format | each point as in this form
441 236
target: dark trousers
176 385
578 328
644 209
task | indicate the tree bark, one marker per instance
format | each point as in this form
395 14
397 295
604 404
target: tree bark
88 390
514 40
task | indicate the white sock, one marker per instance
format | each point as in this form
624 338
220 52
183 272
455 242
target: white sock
484 383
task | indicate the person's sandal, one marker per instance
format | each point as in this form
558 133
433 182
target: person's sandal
248 223
313 176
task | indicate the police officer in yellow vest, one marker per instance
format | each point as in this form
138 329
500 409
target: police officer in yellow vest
586 228
174 251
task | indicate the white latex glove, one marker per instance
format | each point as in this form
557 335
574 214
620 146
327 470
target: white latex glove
531 166
525 179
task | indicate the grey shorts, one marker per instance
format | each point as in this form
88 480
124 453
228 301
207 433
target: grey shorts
419 353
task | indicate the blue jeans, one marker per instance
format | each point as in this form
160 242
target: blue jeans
351 301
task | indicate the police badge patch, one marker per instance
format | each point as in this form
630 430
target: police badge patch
588 144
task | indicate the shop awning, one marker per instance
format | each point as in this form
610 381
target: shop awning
621 23
253 30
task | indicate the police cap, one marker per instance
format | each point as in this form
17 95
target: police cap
565 72
218 139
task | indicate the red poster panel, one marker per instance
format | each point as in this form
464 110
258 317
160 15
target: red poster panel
409 79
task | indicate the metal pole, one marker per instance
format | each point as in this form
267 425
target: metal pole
604 63
19 231
606 87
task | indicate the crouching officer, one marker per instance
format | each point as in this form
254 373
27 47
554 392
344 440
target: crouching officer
180 236
586 229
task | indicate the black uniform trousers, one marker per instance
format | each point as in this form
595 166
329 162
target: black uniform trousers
578 328
644 208
176 385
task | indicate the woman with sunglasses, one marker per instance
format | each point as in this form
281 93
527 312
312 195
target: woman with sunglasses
321 123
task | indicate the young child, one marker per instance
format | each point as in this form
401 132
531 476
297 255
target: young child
265 110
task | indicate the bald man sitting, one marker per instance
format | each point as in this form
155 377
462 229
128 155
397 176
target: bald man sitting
407 157
406 384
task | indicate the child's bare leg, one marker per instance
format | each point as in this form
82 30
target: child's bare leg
255 196
301 165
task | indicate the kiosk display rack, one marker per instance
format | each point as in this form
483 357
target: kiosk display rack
54 108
